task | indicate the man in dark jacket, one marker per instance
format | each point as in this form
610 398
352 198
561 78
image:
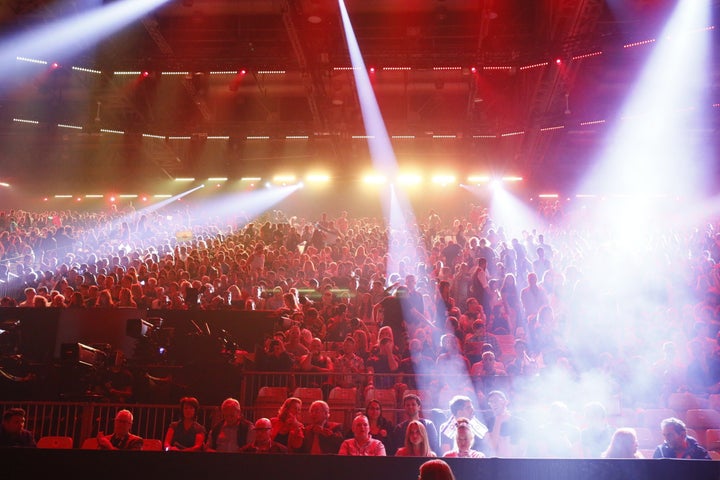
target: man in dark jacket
320 434
12 431
677 443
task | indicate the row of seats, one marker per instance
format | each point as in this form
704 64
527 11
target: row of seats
340 399
63 442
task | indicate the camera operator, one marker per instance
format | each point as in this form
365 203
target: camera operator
116 380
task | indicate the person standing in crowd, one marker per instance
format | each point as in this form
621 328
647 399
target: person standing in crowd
395 310
186 434
121 438
677 443
263 442
233 432
13 432
362 444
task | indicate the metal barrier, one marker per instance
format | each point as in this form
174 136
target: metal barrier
82 420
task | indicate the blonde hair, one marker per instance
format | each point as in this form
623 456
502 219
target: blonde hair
285 407
424 445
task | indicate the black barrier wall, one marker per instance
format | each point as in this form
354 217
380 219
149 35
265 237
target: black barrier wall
33 463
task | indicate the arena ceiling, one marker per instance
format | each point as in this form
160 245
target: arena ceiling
467 84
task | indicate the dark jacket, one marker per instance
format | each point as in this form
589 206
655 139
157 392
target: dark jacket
242 433
129 442
275 447
328 443
694 451
23 439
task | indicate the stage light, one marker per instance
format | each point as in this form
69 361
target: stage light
145 74
317 178
408 179
374 179
477 179
558 61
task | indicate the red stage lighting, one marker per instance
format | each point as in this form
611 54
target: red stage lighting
473 70
558 61
145 74
55 65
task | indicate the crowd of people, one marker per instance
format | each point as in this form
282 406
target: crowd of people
379 307
417 437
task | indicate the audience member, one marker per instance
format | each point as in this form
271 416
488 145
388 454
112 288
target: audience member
596 433
383 364
320 435
436 469
412 406
232 432
13 432
121 438
461 407
416 442
362 444
380 427
287 428
464 439
186 434
678 444
263 442
507 436
623 444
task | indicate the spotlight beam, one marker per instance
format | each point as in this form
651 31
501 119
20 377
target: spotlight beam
396 205
69 36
